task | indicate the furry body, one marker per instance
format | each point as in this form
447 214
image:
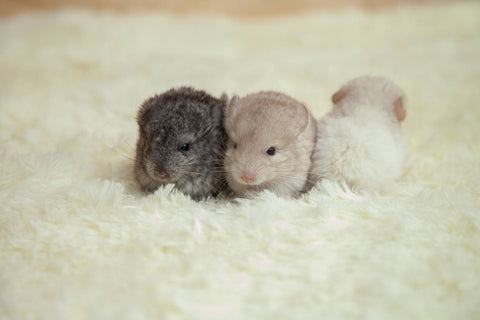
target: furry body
360 142
262 121
181 117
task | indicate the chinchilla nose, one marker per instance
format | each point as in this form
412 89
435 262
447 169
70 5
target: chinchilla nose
161 174
247 177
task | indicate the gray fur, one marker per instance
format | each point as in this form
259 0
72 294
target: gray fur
176 117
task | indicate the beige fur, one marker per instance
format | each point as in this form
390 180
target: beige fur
257 122
360 141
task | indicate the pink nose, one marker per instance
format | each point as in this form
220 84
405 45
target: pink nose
247 177
161 175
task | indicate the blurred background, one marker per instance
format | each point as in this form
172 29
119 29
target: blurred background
245 8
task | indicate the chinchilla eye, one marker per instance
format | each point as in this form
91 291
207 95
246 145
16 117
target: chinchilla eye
184 147
271 151
234 146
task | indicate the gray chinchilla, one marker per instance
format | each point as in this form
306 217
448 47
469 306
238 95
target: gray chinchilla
182 141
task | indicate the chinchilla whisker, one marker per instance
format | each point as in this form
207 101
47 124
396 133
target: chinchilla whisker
125 155
125 165
125 141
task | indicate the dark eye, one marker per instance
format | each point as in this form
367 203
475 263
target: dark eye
234 146
184 147
271 151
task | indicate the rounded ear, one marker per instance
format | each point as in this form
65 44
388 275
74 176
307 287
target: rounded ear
231 106
302 118
399 109
234 100
339 95
224 98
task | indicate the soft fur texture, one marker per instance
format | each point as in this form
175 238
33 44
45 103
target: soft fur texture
360 141
78 240
271 142
182 141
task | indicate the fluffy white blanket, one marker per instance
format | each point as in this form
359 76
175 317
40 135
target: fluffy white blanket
78 241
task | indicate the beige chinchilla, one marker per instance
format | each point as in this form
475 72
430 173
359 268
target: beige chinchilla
271 142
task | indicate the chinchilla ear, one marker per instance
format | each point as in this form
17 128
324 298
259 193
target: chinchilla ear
231 106
339 95
233 100
302 119
224 98
399 109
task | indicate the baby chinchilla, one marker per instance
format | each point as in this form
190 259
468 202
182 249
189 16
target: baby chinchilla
360 141
271 141
182 141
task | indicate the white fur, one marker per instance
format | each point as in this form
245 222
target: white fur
360 141
78 241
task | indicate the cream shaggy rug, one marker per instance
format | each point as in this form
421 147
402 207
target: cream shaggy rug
78 241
